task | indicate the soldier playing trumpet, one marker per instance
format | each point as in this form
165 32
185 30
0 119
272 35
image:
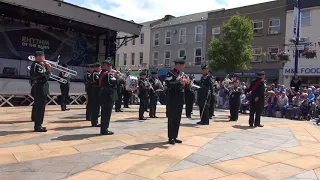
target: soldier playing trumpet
154 93
144 88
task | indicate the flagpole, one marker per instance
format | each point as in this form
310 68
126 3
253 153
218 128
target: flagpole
296 57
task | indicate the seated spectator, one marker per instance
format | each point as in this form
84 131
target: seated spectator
283 103
272 103
278 88
296 100
291 94
244 103
303 109
311 96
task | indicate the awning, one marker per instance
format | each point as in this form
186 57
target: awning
79 14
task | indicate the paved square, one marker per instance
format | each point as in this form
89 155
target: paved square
72 149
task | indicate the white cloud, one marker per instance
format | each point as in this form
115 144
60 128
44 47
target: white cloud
145 10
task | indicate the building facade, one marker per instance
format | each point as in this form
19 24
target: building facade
268 21
179 37
308 68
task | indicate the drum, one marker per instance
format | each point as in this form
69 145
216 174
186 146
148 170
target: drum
131 83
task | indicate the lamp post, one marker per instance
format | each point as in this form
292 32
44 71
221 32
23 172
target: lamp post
296 57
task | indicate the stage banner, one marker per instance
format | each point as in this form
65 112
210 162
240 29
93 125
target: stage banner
18 41
295 22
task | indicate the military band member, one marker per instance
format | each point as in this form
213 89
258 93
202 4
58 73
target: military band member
230 90
144 88
88 88
108 94
95 103
235 101
64 88
40 72
120 89
204 95
257 89
213 98
189 98
154 94
175 84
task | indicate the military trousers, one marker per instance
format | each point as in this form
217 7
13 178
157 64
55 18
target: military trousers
95 105
126 98
142 106
153 105
89 104
234 109
39 106
204 113
106 111
118 102
255 113
212 105
174 108
189 103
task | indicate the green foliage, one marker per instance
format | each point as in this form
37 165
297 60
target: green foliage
232 51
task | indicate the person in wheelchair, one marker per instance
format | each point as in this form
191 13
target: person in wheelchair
272 103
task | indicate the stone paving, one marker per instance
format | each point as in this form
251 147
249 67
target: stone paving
71 149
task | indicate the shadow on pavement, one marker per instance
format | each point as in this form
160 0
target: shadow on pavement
242 127
74 137
148 146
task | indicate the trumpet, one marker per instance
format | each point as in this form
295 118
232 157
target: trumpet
56 66
54 77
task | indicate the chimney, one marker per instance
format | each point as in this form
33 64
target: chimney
167 17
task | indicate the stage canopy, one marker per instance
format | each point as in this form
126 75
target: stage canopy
63 14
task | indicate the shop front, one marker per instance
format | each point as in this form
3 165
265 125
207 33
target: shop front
309 74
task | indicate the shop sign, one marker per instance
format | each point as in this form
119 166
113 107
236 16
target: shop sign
307 71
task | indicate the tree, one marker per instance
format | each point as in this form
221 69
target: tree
232 51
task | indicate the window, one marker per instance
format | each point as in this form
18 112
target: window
132 58
182 36
118 42
156 39
125 41
274 26
198 56
272 53
142 38
257 28
198 33
168 37
155 58
256 54
215 32
305 17
124 59
167 57
141 58
181 53
133 42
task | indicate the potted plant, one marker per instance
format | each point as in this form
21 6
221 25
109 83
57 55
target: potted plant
283 56
310 54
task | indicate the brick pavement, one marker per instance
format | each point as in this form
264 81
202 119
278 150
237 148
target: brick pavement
71 149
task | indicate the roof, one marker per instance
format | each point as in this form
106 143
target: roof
202 16
79 14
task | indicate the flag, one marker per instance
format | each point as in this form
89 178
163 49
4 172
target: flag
295 22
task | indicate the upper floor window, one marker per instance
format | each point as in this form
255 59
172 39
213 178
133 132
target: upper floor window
156 39
133 42
256 54
167 57
141 58
272 53
118 42
181 53
198 56
155 58
305 17
215 32
274 26
132 58
257 28
142 38
182 36
168 37
124 59
198 33
118 59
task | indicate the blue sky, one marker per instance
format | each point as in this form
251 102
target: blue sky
146 10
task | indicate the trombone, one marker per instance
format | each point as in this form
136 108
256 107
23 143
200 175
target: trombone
54 77
56 66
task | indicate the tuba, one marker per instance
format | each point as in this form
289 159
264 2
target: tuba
228 84
131 82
